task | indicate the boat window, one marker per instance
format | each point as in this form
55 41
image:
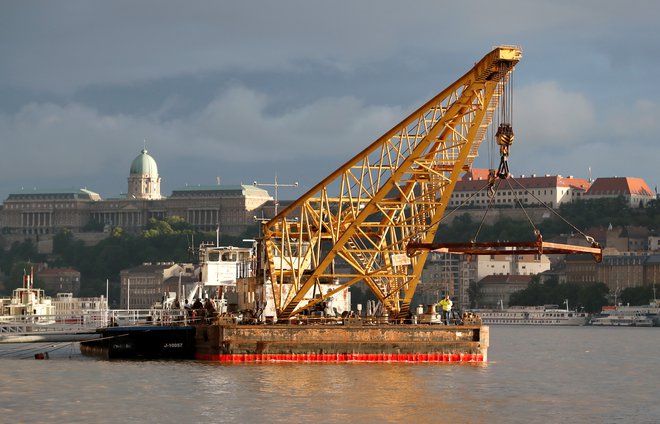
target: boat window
214 256
228 257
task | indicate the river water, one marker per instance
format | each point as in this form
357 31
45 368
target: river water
534 375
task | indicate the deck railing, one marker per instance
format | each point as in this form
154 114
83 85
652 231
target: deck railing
91 320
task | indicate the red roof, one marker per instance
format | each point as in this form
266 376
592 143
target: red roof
476 179
476 174
620 186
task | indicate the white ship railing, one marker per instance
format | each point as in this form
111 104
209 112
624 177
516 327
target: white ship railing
91 320
82 321
127 317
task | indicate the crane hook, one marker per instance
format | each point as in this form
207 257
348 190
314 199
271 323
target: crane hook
505 139
492 178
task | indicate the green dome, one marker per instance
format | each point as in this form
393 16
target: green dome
144 165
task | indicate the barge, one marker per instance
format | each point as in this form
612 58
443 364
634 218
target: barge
343 343
353 340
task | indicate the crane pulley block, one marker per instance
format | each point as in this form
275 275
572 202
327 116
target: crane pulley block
505 135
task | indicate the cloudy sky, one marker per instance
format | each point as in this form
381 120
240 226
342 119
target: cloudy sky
246 90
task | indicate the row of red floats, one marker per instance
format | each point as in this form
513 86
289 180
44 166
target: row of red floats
342 357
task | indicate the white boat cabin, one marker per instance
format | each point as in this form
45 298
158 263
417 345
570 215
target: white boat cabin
223 266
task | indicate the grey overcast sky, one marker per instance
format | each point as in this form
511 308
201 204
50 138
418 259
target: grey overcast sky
246 90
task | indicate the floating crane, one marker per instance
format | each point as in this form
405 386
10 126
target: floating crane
389 196
373 221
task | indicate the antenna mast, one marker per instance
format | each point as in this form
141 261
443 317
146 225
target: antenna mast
276 185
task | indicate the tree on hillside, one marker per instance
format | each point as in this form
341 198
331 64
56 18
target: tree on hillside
179 225
535 294
157 227
69 250
598 212
592 296
25 251
460 230
641 295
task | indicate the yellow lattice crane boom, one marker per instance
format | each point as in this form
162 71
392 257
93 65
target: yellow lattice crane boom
393 192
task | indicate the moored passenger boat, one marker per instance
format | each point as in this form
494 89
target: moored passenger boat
532 315
623 320
628 316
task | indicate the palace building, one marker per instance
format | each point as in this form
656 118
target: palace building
231 208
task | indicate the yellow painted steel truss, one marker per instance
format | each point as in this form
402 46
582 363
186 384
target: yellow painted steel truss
394 191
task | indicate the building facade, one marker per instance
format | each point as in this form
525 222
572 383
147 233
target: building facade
232 208
495 290
550 190
441 275
653 243
498 276
581 268
485 265
628 238
617 272
43 211
59 280
622 271
144 285
652 270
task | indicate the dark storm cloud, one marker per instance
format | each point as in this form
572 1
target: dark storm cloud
246 90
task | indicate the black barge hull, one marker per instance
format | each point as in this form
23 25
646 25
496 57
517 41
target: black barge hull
146 342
